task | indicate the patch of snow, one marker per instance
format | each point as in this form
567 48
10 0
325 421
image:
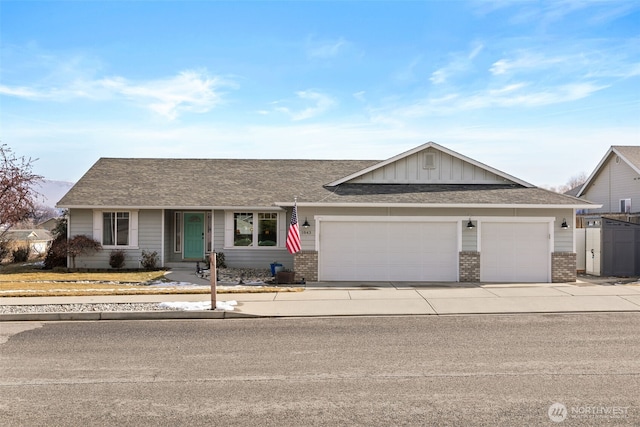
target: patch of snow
189 285
36 264
200 305
160 284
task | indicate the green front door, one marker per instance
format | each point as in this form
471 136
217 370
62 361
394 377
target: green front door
193 235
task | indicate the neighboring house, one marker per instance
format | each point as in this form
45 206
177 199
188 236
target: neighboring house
612 238
49 224
615 182
38 240
429 214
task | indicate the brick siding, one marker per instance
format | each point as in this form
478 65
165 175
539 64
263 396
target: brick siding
563 267
305 264
469 266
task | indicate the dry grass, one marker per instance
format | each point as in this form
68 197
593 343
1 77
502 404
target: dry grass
87 289
25 281
47 276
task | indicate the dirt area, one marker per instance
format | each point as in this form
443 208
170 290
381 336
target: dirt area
611 281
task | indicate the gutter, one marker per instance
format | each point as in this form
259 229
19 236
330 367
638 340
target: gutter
440 205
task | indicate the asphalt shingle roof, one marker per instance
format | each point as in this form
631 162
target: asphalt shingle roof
31 234
631 153
183 183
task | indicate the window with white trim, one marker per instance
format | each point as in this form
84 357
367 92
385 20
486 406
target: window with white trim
116 228
253 229
625 205
267 229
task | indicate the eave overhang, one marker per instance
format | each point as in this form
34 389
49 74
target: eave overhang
181 208
440 205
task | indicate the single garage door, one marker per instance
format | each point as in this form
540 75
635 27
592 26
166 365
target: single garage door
514 252
388 251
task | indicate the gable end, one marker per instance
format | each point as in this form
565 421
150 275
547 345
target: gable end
430 164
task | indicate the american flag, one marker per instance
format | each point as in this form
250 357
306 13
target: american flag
293 237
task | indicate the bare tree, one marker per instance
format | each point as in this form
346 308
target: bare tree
40 214
17 197
574 181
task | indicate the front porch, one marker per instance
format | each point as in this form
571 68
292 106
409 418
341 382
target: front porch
190 236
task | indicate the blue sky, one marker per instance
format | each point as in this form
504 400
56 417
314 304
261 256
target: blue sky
536 89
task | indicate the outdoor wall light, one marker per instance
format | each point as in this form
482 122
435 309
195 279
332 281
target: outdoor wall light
564 225
306 224
470 225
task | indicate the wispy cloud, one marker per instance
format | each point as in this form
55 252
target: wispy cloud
458 63
360 96
546 13
408 73
321 103
325 49
571 63
521 94
20 92
533 61
188 91
191 91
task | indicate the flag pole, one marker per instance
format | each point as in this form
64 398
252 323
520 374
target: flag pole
213 275
293 235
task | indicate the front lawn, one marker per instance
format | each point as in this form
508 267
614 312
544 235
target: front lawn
29 280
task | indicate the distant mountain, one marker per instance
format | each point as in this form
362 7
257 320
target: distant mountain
50 192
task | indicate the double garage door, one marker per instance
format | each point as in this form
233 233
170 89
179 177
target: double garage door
383 251
428 251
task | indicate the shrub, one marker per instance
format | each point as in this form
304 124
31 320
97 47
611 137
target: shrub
149 260
220 261
60 228
57 253
81 245
116 258
21 254
4 249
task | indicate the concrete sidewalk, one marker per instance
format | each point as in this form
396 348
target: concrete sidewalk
370 299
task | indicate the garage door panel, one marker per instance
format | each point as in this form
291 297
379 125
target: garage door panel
514 252
383 251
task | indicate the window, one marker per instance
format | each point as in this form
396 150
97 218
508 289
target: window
178 231
253 229
625 205
267 229
115 228
243 226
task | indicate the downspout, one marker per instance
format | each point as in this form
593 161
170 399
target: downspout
609 183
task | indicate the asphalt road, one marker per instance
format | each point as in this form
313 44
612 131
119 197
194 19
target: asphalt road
436 370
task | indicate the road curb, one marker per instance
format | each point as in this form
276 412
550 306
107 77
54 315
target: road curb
220 315
124 315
